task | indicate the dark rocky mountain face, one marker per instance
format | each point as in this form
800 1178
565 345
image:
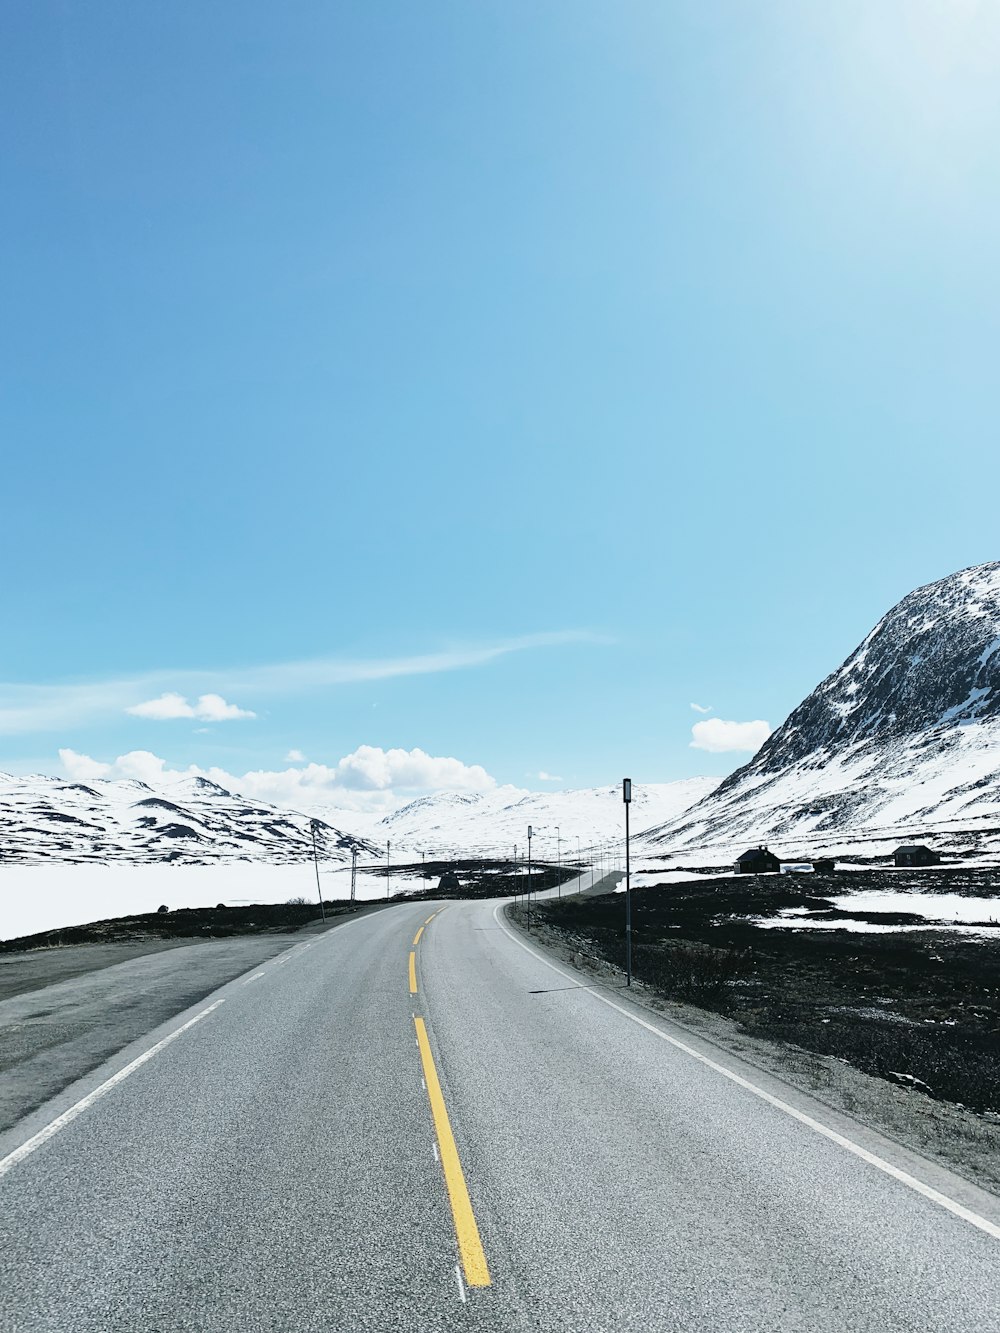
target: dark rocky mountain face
907 729
933 660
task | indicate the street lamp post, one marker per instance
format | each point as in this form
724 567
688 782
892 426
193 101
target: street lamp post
313 826
627 798
530 832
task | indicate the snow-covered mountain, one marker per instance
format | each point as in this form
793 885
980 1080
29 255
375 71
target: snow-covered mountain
191 821
902 740
194 821
491 822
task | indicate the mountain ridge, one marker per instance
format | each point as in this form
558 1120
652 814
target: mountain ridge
905 734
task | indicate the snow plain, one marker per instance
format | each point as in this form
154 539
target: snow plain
54 895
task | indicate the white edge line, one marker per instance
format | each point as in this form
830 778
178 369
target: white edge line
435 1147
904 1178
461 1284
60 1122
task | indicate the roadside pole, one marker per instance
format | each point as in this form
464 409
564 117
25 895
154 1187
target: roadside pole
515 874
354 872
627 798
529 862
559 858
313 826
387 869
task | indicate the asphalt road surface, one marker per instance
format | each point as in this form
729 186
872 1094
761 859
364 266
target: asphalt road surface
349 1138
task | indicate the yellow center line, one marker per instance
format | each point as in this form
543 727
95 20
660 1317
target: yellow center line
416 938
413 973
430 918
470 1247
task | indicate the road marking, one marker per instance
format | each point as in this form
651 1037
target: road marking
461 1288
434 1145
880 1164
253 978
60 1122
413 973
416 938
470 1247
431 918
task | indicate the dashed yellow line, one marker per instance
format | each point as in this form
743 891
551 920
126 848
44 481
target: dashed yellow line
416 938
431 918
470 1247
413 974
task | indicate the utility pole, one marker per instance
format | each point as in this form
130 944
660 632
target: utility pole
627 798
529 862
515 872
387 869
559 861
313 826
354 871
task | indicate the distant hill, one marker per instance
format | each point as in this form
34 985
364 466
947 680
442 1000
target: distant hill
191 821
901 740
493 821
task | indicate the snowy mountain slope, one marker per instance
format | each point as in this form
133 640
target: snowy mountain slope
194 821
191 821
904 738
492 822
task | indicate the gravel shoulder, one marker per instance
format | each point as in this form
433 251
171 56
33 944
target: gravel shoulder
965 1143
63 1011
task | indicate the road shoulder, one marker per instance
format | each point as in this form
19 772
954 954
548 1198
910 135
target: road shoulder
939 1133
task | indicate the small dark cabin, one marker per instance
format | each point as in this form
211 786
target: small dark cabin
448 882
757 861
825 865
915 855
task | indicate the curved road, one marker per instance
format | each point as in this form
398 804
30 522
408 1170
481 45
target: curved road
341 1141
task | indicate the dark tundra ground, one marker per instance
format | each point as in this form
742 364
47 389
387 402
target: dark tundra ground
919 1007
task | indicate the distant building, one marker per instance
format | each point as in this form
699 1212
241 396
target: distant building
448 882
757 861
826 865
915 855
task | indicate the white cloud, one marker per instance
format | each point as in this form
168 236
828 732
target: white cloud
700 708
28 707
369 779
213 708
209 708
81 768
548 777
162 709
140 764
371 768
720 737
295 757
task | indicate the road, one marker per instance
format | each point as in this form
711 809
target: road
348 1140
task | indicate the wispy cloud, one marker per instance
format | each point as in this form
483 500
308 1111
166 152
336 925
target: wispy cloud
701 708
67 705
548 777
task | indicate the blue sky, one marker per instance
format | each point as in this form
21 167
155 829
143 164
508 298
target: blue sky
531 371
